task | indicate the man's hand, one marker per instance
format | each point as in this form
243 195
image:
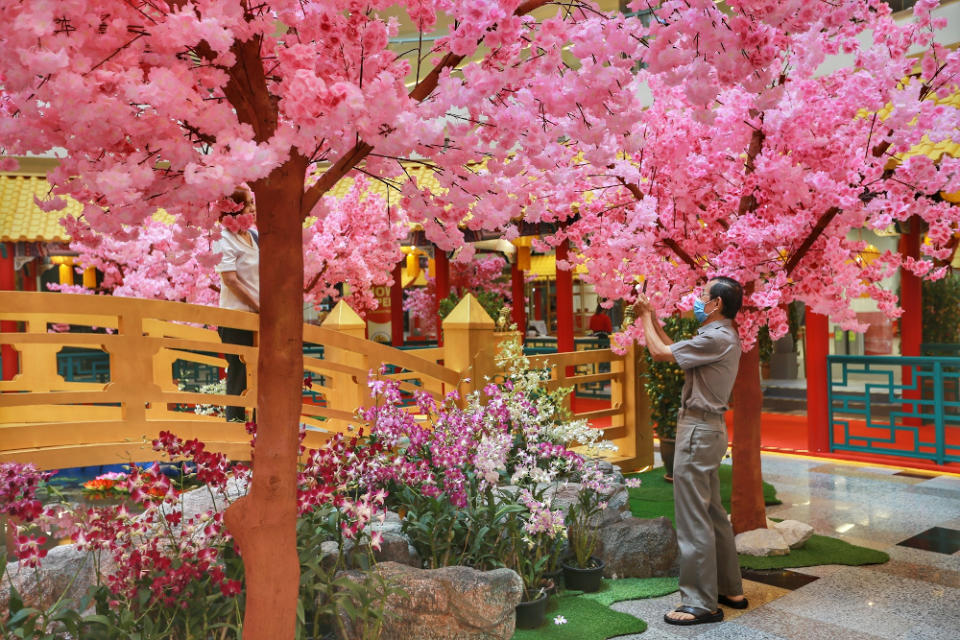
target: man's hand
642 306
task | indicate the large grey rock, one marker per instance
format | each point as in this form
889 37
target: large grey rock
638 548
794 532
395 546
611 471
762 542
452 603
201 500
42 587
562 496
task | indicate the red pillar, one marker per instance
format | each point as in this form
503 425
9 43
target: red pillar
815 361
519 301
911 323
911 326
8 282
30 275
396 306
564 303
442 263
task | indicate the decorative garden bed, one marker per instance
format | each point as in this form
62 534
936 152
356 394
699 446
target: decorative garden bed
469 509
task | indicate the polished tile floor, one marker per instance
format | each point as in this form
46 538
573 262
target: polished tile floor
916 596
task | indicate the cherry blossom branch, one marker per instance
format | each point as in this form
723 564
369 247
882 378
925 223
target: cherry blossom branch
815 233
362 149
668 242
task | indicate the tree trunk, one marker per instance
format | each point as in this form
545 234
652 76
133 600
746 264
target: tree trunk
746 502
264 522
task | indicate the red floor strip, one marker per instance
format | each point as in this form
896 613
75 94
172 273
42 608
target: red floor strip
787 433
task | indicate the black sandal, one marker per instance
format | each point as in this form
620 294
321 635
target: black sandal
702 618
733 604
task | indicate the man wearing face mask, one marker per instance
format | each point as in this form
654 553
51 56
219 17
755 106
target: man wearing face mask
709 569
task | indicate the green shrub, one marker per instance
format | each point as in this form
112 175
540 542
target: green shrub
941 310
491 303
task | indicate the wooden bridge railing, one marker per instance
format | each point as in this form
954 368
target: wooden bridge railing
54 422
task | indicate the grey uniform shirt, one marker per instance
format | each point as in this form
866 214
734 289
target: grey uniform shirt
709 361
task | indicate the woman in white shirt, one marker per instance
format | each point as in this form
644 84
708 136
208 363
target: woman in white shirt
239 271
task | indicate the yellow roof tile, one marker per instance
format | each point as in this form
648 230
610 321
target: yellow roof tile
545 267
424 176
21 220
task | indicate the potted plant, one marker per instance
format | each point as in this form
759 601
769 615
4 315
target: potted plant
582 571
532 537
554 570
664 386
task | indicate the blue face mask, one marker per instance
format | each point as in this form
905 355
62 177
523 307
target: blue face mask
698 310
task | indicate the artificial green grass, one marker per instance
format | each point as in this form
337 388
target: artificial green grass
612 591
816 551
585 620
588 615
654 497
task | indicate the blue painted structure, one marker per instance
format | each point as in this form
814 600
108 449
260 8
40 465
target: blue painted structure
919 419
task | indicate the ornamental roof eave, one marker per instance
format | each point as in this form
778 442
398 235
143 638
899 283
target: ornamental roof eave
21 220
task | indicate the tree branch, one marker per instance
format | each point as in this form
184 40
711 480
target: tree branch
669 242
827 217
362 149
818 228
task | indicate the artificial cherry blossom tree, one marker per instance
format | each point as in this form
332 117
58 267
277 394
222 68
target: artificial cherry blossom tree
353 244
753 161
174 103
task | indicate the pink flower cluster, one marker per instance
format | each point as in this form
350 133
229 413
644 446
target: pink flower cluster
498 435
18 490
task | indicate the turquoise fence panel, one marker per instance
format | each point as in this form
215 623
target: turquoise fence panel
76 364
898 406
191 376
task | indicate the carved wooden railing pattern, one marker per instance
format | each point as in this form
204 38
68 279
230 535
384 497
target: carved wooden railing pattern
629 412
53 422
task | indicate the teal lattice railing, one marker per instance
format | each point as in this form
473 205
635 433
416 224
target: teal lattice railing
897 406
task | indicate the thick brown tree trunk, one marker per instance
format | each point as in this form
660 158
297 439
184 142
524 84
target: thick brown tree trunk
746 503
264 522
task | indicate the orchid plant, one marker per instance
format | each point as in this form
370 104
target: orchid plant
167 570
583 526
473 472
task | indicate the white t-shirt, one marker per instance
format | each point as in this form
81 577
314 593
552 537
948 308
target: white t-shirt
237 255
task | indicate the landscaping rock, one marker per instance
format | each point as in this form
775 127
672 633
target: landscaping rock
329 554
794 532
55 573
762 542
451 603
200 500
395 546
639 548
612 471
616 497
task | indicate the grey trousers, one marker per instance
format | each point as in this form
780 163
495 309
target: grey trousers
708 555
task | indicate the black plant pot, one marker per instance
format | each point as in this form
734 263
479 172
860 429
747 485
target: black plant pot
586 580
667 448
531 615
